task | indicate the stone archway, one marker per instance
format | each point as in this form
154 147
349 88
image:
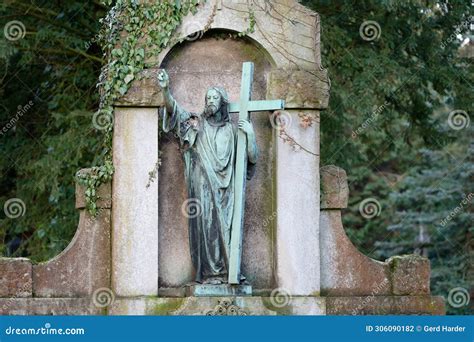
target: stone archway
287 256
216 60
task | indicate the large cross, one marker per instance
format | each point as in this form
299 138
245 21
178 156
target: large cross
243 107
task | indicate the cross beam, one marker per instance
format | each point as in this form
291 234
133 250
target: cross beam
243 107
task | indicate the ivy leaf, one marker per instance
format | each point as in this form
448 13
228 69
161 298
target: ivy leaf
129 78
123 89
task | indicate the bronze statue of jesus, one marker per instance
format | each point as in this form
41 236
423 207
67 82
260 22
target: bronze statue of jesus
209 141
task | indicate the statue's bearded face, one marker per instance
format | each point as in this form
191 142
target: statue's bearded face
213 102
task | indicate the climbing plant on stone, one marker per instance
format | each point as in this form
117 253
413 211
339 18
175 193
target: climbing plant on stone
133 33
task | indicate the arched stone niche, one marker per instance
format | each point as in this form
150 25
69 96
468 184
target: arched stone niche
194 66
281 241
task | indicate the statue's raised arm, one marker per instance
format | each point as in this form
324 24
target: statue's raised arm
173 114
164 82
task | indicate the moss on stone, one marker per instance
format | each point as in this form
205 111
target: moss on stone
165 307
283 311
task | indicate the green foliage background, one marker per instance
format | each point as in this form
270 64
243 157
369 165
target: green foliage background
408 158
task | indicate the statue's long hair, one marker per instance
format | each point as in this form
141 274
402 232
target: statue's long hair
224 103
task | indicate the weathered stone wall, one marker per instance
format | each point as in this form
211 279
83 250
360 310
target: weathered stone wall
285 29
16 277
355 282
64 285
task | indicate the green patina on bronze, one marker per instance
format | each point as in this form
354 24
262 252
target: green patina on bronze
218 159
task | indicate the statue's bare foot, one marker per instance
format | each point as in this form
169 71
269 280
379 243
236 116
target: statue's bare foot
213 281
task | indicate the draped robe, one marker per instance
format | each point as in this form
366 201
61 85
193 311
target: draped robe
209 151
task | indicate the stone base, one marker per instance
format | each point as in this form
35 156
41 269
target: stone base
385 305
240 305
219 306
49 306
222 290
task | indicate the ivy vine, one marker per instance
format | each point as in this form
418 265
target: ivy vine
133 35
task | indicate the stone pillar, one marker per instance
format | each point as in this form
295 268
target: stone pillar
297 178
135 206
297 206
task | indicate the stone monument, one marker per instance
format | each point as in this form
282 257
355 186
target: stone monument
135 259
215 159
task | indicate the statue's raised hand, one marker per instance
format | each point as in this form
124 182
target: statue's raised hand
163 79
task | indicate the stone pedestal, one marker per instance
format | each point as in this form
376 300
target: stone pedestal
207 290
219 306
